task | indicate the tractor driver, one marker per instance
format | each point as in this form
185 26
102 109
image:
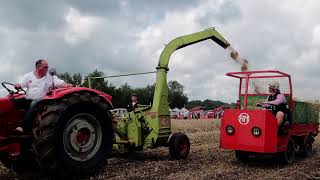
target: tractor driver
275 101
38 84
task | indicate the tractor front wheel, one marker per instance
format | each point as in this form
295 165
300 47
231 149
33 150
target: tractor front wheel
289 155
242 156
179 146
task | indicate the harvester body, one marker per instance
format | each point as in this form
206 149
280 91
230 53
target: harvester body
150 126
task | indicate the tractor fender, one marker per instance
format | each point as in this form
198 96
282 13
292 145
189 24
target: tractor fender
61 92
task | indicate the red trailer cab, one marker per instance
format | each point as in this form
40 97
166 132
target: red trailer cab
253 130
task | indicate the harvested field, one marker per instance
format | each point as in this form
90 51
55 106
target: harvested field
206 161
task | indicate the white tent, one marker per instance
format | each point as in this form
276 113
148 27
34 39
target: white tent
174 112
184 110
176 109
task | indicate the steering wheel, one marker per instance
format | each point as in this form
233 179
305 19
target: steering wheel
11 89
270 107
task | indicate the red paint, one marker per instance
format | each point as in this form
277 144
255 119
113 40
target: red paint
243 120
5 105
242 138
257 74
14 149
82 137
58 93
10 115
183 147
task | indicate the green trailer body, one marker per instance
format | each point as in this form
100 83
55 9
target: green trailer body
303 112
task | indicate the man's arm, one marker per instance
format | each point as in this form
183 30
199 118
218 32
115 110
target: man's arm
280 99
60 83
64 85
261 104
23 82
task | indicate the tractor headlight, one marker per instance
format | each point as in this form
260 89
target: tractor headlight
229 130
256 131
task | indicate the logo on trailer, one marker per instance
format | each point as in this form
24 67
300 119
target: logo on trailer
244 118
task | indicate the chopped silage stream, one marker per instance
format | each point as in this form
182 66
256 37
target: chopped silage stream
206 161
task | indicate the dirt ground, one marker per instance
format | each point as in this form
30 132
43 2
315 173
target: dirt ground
206 161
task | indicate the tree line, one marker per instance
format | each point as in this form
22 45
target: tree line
121 95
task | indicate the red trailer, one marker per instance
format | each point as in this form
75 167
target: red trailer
251 130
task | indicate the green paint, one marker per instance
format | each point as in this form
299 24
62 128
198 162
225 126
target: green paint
305 112
253 100
150 126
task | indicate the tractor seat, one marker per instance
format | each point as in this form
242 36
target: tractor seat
287 121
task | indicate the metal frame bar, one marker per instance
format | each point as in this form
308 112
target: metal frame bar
247 76
120 75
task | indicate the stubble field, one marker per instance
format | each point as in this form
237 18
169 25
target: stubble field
206 161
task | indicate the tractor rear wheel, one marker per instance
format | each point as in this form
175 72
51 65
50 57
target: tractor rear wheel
73 137
179 146
289 155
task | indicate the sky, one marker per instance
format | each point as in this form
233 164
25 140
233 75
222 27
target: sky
126 36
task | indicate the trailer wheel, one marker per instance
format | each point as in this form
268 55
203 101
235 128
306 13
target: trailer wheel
242 156
179 146
306 148
73 137
289 155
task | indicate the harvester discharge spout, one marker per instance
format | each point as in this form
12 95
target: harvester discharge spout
160 103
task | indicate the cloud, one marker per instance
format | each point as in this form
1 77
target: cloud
79 27
120 37
316 35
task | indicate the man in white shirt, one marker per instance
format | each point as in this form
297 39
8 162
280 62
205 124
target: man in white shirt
38 84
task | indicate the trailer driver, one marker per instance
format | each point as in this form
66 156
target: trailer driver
38 83
275 101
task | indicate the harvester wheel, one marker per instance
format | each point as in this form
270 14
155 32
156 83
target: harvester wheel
306 148
179 146
289 155
73 137
242 156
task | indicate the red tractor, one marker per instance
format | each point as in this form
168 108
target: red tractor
253 131
72 132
